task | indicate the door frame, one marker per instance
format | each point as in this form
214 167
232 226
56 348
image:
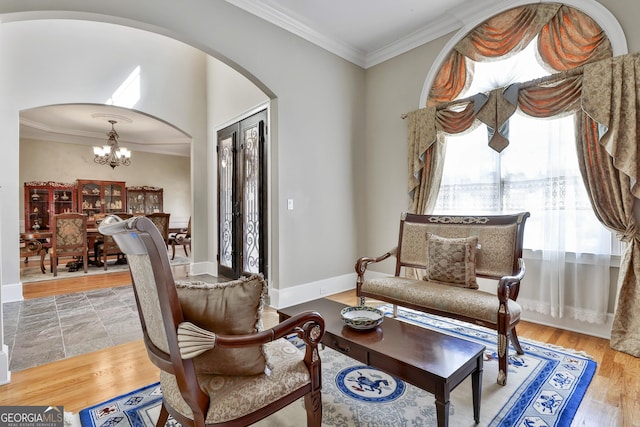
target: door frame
234 129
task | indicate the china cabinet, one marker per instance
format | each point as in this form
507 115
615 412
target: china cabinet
144 200
101 197
43 199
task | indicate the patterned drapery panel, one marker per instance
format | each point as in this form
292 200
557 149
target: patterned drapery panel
567 38
609 164
451 79
571 39
507 33
425 162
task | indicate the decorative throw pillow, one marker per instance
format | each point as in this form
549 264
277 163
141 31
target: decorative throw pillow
230 308
452 260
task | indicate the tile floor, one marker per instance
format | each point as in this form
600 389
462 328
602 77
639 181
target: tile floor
44 330
47 329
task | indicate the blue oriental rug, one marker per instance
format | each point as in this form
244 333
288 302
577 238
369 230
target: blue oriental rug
545 387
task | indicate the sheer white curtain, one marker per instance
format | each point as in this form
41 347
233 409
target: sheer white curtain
567 251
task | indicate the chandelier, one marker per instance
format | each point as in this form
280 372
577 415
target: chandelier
112 154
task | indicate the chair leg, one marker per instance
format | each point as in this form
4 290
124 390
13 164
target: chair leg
515 341
164 416
503 357
43 253
313 406
173 250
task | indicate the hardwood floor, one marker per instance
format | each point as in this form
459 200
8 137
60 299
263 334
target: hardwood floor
82 381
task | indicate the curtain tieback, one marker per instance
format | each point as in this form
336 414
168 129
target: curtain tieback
629 233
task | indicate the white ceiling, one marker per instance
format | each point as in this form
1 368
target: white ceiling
88 124
365 32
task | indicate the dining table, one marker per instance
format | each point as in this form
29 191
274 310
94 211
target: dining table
39 242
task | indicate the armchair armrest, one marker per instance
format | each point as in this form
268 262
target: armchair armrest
363 263
509 286
194 340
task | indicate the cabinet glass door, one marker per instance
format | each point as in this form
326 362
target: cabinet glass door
63 201
113 198
135 202
90 196
38 209
153 202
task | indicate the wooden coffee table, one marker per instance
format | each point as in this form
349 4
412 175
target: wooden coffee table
430 360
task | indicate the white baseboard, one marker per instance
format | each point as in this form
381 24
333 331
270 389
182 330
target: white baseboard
12 292
280 298
207 267
5 373
593 329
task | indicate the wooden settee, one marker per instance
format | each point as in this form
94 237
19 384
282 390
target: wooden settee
444 250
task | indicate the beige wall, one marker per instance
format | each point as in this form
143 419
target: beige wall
54 161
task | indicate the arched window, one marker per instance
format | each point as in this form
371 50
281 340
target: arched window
532 164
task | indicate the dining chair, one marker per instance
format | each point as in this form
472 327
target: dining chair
105 247
33 247
69 239
217 366
161 220
183 237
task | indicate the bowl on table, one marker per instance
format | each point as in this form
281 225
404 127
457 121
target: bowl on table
361 317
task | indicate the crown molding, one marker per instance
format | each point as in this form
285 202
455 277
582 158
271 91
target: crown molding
452 21
34 130
295 26
417 38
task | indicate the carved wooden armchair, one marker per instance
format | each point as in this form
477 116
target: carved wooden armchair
34 247
183 237
232 376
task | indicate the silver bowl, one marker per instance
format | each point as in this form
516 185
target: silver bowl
361 317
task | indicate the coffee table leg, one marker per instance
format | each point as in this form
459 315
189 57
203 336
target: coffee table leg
476 385
442 405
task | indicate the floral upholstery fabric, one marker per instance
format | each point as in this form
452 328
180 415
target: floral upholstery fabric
497 244
70 232
161 221
452 261
472 303
235 396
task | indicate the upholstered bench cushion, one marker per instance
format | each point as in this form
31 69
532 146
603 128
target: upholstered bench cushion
235 396
480 305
